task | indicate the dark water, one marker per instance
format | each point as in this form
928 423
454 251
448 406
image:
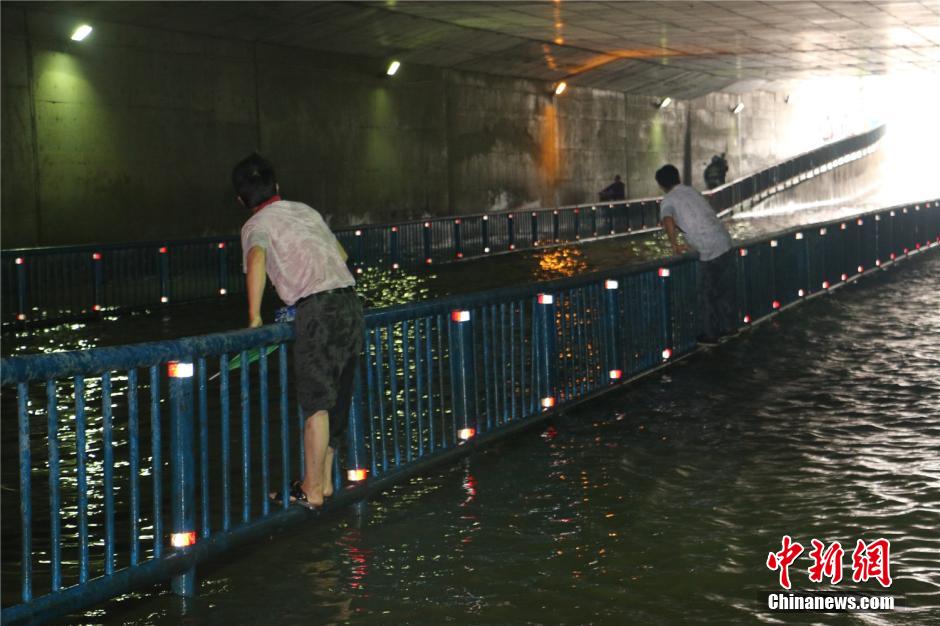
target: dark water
655 505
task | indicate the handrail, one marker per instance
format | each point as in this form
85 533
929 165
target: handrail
435 379
64 282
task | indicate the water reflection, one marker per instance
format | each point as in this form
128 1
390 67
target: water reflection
560 263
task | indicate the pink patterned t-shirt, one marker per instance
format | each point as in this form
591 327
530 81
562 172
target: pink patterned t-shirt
302 254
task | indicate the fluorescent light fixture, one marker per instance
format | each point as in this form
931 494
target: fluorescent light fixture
666 102
81 32
393 68
560 88
738 108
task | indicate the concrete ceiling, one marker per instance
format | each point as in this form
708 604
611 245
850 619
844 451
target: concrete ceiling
683 49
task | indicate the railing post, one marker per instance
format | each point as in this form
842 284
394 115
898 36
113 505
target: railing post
612 331
510 233
164 274
545 362
182 469
610 219
427 243
577 223
462 373
98 285
485 233
394 247
358 261
535 228
458 243
556 226
666 299
594 221
20 288
223 268
356 463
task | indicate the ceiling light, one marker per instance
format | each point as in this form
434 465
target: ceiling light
393 68
81 32
666 102
738 108
560 88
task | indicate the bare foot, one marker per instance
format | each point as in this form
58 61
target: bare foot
314 494
328 474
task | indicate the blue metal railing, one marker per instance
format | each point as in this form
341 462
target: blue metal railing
68 281
436 379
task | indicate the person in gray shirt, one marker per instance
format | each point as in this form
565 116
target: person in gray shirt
686 210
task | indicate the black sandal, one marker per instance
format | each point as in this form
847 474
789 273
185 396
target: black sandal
295 495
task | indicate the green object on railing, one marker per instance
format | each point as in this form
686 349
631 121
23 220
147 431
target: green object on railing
253 355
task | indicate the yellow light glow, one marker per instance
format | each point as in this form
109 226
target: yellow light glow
393 68
560 88
81 32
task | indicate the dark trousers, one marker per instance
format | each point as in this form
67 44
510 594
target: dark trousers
716 293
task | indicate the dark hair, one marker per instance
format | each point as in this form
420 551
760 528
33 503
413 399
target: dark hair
667 176
254 181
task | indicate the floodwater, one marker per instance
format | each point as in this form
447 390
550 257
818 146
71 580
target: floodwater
657 504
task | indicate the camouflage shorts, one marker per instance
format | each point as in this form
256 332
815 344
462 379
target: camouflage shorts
327 342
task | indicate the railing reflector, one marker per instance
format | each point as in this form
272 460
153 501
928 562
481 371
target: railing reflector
221 245
743 251
613 284
548 402
860 221
801 293
21 316
773 243
164 299
223 291
96 256
177 369
486 250
842 226
860 269
822 231
747 319
183 540
460 316
845 276
163 250
357 475
664 272
19 260
799 235
466 433
667 353
775 304
546 298
358 233
825 284
616 374
428 261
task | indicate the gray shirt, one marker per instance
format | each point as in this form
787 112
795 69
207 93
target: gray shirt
696 218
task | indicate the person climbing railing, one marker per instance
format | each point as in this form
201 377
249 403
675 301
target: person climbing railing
65 282
136 463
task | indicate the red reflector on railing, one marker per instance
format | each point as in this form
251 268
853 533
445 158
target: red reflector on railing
667 353
466 433
164 299
460 316
163 250
457 221
21 316
878 263
19 260
177 369
842 226
860 269
394 229
486 250
546 298
747 319
512 246
742 252
860 221
428 261
394 266
96 307
357 475
427 224
222 245
799 235
223 291
460 255
773 243
615 374
775 304
825 284
548 402
96 256
358 233
612 284
358 270
845 276
801 293
663 272
822 231
183 540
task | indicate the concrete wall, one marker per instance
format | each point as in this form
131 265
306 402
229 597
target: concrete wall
131 135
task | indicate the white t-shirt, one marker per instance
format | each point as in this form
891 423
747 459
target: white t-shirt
301 252
697 220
